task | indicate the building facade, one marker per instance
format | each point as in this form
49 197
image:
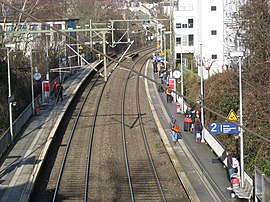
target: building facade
201 35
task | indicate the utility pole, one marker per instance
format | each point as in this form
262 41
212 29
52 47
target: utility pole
32 82
172 62
202 94
240 54
182 79
10 98
104 57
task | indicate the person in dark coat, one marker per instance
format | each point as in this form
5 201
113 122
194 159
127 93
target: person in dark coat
198 130
60 92
230 167
55 92
193 117
169 95
155 66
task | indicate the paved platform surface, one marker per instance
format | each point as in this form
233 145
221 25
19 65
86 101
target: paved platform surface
20 163
205 171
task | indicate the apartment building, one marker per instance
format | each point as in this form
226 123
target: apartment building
199 34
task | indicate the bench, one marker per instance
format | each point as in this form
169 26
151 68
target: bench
244 192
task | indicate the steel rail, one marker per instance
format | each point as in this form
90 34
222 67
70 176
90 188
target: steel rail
91 144
69 141
144 134
125 146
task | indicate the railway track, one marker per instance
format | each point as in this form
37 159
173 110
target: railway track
143 179
87 157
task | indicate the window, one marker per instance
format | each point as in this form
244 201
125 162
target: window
190 23
213 8
10 28
185 8
178 41
214 57
178 57
184 25
213 32
184 40
190 40
33 27
178 25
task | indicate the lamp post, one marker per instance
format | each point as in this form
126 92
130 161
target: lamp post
202 94
165 58
47 56
159 37
104 53
10 99
182 78
161 41
32 82
240 55
165 55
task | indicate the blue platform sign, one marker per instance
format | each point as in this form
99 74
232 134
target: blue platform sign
230 128
158 58
215 128
223 128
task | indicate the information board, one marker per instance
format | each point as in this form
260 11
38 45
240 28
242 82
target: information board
223 128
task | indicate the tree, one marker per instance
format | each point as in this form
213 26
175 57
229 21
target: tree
255 20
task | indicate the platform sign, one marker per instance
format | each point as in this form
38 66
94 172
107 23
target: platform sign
230 128
161 58
172 84
45 91
223 128
215 128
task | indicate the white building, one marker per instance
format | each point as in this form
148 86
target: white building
199 25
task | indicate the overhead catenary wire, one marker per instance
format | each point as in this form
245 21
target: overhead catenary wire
126 67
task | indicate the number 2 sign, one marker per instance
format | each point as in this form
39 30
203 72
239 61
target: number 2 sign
215 128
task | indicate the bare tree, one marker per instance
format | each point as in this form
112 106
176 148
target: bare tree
256 39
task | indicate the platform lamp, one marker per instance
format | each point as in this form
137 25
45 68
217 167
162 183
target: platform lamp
10 48
202 90
240 55
47 56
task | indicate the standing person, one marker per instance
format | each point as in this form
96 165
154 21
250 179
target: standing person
193 117
198 130
60 92
232 165
55 91
158 67
175 129
155 66
169 95
161 69
187 120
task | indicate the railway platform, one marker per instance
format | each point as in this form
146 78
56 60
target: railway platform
19 165
204 170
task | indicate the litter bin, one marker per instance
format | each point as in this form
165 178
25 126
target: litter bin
235 179
187 123
178 108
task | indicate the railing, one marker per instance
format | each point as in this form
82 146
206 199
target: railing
262 186
5 140
218 149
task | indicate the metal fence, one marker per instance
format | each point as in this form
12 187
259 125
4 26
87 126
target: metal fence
5 139
262 186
